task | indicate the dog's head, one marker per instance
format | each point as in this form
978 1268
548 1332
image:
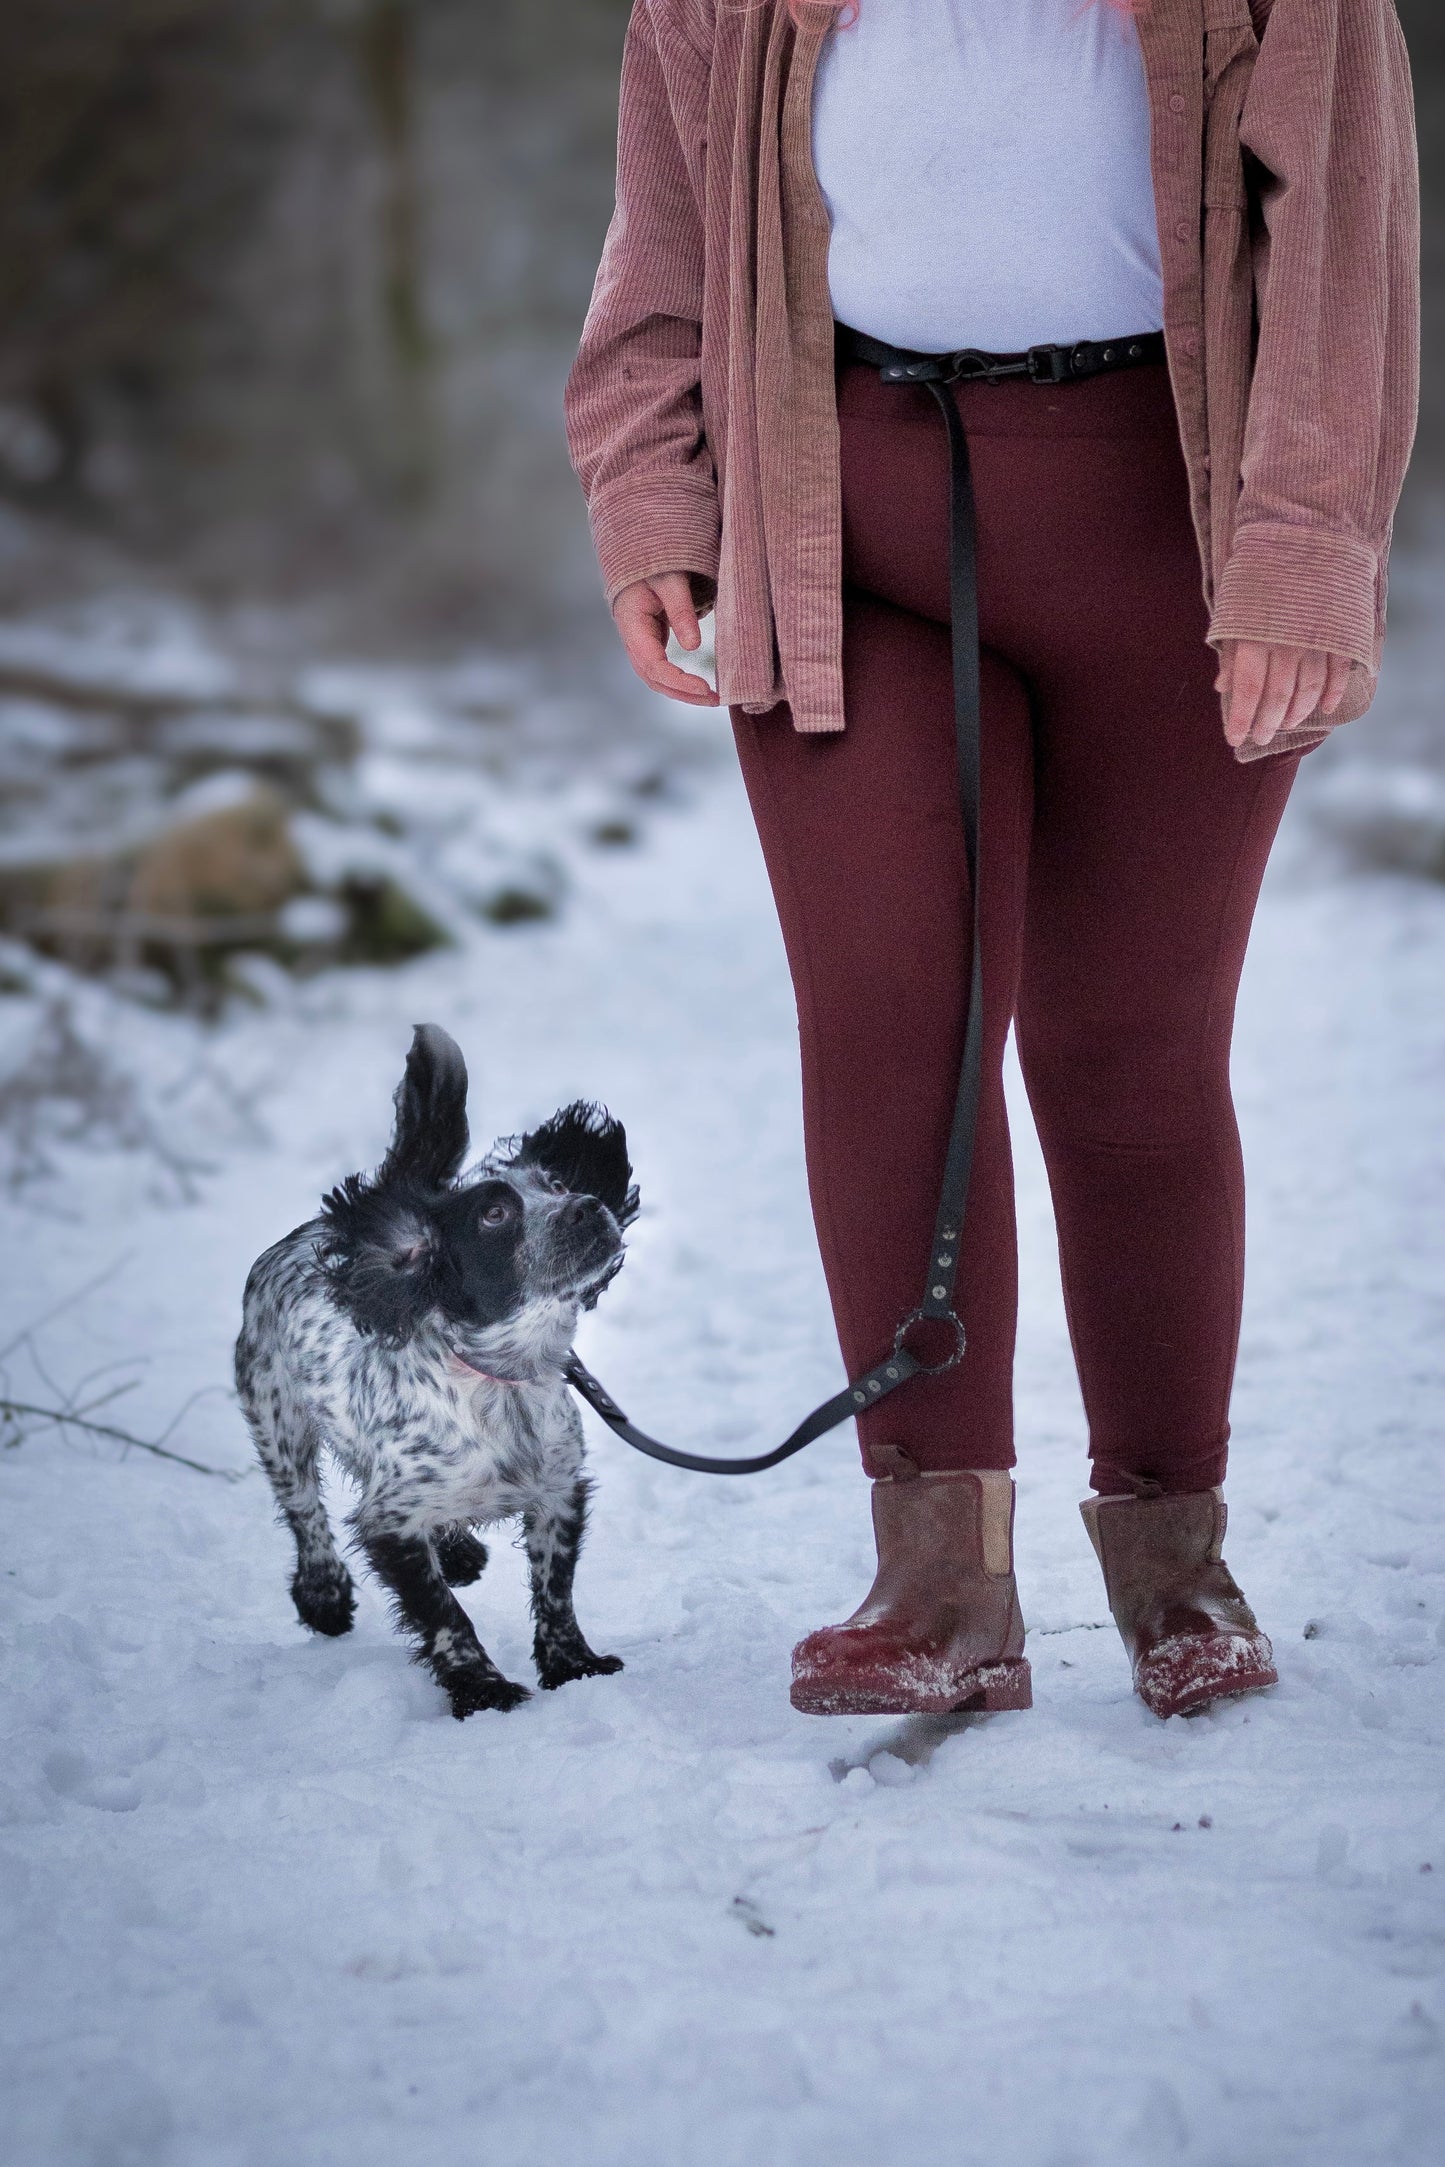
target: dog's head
537 1226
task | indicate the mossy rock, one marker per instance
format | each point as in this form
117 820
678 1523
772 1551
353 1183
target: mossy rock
516 906
387 925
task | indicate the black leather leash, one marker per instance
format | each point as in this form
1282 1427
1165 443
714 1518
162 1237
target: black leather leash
936 373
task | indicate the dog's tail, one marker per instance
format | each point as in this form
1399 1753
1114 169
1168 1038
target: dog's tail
429 1141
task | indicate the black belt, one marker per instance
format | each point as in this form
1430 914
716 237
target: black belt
935 373
1040 364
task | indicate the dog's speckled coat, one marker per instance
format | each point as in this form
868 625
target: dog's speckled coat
418 1328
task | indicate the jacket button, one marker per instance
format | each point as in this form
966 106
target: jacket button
1177 102
1183 230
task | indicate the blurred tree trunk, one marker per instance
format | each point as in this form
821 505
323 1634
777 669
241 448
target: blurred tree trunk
386 41
1424 26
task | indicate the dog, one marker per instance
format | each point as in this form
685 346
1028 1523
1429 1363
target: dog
417 1328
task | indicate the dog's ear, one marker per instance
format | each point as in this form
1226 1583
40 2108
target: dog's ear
383 1257
587 1151
429 1141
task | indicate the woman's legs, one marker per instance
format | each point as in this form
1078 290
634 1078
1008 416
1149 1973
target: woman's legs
1149 847
864 849
1112 803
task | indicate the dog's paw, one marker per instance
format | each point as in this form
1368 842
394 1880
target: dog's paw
325 1600
555 1669
472 1691
461 1558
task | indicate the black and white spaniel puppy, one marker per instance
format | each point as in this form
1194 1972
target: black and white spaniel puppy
418 1329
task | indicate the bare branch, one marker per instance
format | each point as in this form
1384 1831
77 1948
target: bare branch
67 1301
70 1418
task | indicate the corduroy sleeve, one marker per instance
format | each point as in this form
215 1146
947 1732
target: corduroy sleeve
633 402
1329 120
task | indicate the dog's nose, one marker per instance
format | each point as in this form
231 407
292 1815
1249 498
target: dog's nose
576 1209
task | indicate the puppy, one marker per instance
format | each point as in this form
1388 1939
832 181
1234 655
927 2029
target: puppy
417 1328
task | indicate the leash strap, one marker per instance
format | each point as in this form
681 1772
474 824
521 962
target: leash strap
936 373
886 1376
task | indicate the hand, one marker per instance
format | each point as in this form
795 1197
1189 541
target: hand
1267 688
643 613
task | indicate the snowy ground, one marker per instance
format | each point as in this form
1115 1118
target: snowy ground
268 1906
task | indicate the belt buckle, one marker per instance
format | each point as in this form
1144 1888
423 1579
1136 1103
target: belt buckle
1049 364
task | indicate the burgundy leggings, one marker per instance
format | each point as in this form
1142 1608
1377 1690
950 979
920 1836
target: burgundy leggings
1121 856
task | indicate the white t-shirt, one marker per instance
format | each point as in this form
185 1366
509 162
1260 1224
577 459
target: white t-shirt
986 167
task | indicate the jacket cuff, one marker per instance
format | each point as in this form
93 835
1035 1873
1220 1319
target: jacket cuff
656 522
1299 587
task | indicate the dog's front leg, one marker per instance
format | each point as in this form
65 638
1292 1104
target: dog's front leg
553 1534
426 1607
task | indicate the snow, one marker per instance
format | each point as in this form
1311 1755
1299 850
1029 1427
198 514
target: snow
268 1904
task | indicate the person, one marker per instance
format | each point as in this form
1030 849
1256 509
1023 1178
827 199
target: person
1180 587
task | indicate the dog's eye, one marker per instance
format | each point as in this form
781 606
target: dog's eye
498 1213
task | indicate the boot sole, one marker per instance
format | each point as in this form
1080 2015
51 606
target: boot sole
993 1689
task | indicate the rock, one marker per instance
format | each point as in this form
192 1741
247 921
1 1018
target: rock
386 924
237 861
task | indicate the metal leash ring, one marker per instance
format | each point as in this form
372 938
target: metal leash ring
920 1316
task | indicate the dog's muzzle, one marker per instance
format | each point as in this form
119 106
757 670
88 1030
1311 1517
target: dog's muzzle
589 1245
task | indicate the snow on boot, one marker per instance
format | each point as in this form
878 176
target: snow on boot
940 1631
1191 1636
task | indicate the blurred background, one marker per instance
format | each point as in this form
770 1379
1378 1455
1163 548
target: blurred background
291 558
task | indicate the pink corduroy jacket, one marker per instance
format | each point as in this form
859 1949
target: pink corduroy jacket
701 411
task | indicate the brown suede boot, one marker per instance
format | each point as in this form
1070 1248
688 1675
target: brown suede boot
940 1631
1191 1636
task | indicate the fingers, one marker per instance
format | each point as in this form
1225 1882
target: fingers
1247 670
1337 678
644 613
1224 682
1309 684
674 591
1265 688
1280 680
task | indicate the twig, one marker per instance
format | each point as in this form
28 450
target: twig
72 1411
69 1418
67 1301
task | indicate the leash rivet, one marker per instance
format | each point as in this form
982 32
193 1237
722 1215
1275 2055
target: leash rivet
938 1293
873 1384
892 1370
858 1398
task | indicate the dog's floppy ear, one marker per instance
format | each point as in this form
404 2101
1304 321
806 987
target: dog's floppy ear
429 1141
382 1256
587 1151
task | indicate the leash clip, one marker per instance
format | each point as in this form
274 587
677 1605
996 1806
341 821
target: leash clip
970 365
